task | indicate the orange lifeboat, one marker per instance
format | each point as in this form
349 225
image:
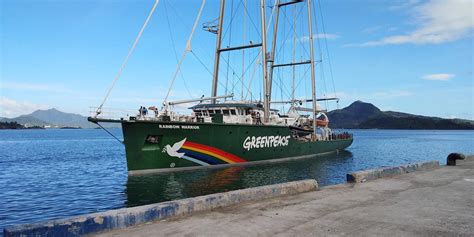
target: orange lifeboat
322 123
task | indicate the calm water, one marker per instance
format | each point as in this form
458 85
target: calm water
49 174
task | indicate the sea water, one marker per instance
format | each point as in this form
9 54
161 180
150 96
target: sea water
57 173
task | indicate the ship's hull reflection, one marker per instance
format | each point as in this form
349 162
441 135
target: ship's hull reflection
142 190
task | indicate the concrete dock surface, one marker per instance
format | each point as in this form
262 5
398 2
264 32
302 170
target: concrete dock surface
432 203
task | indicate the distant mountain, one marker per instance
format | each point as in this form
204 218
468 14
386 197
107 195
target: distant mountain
365 115
61 119
53 118
357 115
353 115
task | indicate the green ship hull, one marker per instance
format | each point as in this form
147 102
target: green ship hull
153 146
223 130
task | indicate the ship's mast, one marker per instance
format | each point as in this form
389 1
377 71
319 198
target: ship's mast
272 54
267 80
313 80
218 52
266 99
294 63
293 78
279 4
219 49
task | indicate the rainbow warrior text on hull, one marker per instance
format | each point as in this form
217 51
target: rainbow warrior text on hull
221 131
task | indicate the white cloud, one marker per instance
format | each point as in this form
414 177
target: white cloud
321 36
25 86
390 94
34 87
438 77
438 21
11 108
372 96
380 28
372 29
327 36
403 4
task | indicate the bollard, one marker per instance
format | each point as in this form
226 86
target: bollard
451 160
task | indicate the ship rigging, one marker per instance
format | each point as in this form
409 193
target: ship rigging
198 137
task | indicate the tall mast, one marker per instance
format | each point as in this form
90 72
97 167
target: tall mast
313 80
272 65
272 55
293 79
243 51
218 51
266 99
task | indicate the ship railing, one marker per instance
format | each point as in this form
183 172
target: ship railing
113 113
340 136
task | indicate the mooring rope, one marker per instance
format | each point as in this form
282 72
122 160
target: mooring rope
116 138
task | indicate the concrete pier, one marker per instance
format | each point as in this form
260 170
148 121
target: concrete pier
418 199
439 202
125 217
367 175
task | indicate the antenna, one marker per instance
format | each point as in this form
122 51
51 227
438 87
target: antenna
211 26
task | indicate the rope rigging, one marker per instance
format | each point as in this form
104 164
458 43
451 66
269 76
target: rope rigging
236 77
228 63
205 27
187 49
327 50
321 55
174 48
280 51
245 71
300 40
129 54
321 46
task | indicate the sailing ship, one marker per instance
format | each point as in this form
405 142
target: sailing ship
221 131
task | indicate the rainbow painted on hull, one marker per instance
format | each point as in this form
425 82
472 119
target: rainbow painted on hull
208 155
187 145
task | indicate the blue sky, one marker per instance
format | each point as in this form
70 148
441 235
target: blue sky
405 55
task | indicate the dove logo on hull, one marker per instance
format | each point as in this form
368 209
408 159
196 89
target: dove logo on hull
200 154
173 150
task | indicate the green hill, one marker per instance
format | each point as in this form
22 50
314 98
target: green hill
367 116
62 119
27 121
51 118
353 115
11 125
357 115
